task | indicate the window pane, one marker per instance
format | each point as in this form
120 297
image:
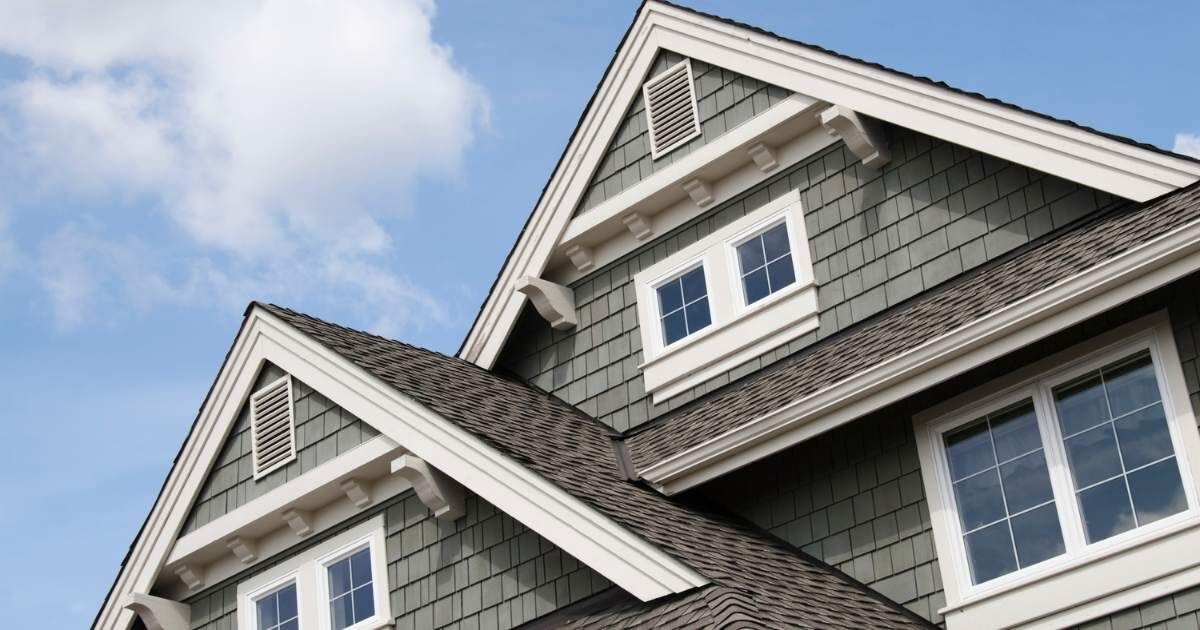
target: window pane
341 612
339 577
979 500
1015 432
1157 491
756 286
268 611
364 602
1026 482
360 568
693 285
969 450
990 552
1081 405
1093 456
670 297
1131 386
1144 437
294 624
697 315
1106 510
775 242
781 273
1037 535
750 255
674 327
287 602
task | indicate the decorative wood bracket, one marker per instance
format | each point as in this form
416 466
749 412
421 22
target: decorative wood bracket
862 135
358 494
763 156
245 550
554 302
639 225
699 191
299 520
581 257
439 493
158 613
191 578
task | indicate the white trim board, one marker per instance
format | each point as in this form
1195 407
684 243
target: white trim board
1073 300
592 538
1053 147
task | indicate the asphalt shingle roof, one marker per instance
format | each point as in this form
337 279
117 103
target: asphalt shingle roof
754 575
928 316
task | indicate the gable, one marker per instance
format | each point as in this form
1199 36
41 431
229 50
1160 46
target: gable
323 431
724 100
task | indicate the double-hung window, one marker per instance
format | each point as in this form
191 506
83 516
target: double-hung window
1084 457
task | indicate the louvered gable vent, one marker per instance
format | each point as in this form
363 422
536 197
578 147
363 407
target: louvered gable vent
671 114
272 426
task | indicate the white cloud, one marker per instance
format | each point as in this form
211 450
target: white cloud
273 134
1187 144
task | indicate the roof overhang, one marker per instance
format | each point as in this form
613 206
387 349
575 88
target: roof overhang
1051 146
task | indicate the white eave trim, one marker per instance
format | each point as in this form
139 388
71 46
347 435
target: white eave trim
1132 273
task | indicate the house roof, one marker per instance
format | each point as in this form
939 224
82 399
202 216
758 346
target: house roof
782 587
931 315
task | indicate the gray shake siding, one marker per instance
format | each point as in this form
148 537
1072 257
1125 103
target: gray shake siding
323 431
484 571
877 238
724 100
1180 611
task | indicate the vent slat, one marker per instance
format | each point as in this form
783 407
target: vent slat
671 115
273 426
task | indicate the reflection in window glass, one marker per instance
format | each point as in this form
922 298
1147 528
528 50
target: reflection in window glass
351 598
1119 448
1002 490
683 306
278 610
766 263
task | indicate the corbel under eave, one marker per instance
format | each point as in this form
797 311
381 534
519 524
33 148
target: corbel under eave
157 613
554 302
862 135
441 494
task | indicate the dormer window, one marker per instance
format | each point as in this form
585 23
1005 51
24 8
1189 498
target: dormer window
766 263
683 302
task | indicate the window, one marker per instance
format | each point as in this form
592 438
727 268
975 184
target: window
683 302
1065 481
339 584
766 263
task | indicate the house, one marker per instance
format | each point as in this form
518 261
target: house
791 339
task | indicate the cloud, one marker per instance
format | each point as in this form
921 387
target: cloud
271 135
10 256
1187 144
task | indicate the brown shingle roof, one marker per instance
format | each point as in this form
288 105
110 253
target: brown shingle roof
929 316
763 577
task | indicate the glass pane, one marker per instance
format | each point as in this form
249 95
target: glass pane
294 624
775 242
1026 482
750 254
360 568
287 602
364 602
697 315
1157 491
693 285
969 451
1081 405
1144 437
674 327
979 500
756 286
1037 535
1131 386
1015 432
1106 510
268 611
781 273
341 612
990 553
1093 456
670 297
339 577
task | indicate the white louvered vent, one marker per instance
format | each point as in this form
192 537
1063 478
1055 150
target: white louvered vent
671 114
272 427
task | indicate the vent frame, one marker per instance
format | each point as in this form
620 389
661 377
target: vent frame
281 427
674 138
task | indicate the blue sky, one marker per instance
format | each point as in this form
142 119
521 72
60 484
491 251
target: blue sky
370 163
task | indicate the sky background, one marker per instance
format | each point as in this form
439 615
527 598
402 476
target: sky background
368 162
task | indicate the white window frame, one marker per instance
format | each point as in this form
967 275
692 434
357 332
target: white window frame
738 332
1106 561
673 274
309 571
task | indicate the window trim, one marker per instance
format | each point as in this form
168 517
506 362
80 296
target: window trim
308 569
741 307
676 273
1151 333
